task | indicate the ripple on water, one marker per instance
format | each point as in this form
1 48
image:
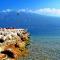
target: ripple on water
40 51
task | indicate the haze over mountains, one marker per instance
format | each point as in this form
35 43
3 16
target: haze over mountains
35 23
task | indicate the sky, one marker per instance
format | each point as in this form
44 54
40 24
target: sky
31 4
46 7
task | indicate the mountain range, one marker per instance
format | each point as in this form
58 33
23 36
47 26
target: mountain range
35 23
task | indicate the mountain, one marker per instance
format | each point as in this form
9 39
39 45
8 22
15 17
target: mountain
35 23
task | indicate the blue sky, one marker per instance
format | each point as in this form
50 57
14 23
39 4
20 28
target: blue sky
31 4
46 7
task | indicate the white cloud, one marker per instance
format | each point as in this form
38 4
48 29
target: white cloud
3 11
21 10
43 11
48 11
7 10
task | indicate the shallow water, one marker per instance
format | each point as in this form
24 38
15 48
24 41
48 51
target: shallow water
44 48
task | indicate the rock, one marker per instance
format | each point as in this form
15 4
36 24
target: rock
13 41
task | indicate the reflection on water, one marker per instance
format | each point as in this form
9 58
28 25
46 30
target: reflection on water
44 48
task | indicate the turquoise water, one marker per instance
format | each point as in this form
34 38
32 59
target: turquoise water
47 41
44 48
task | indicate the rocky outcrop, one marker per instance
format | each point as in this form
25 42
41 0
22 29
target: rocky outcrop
13 43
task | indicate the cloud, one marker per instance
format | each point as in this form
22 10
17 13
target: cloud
43 11
47 11
3 11
21 10
7 10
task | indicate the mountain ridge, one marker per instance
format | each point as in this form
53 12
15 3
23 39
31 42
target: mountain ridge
35 23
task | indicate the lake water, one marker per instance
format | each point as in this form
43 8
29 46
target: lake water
44 48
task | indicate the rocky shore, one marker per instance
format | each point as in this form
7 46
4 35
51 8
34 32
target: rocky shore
13 43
